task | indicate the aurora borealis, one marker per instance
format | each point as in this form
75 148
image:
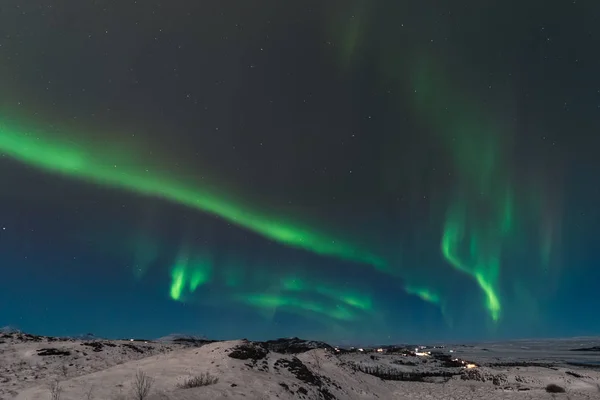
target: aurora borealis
342 170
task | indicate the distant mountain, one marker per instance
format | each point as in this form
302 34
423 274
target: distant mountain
87 336
181 337
9 329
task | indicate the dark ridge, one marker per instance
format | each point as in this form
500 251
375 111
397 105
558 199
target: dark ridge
391 374
446 360
523 364
294 345
195 342
594 348
584 365
402 362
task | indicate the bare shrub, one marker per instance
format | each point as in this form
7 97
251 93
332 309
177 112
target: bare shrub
204 379
89 395
553 388
142 384
55 390
64 370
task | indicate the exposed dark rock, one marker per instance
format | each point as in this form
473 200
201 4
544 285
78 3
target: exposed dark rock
27 337
575 374
249 351
302 390
499 379
326 394
133 347
285 386
299 370
330 382
53 352
473 375
96 346
552 388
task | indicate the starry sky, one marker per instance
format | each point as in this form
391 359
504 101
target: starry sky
344 170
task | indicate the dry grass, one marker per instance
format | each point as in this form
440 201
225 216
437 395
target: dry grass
142 384
203 379
55 390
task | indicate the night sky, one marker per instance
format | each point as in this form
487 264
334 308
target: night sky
351 171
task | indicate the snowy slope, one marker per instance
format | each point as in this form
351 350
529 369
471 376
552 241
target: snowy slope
287 369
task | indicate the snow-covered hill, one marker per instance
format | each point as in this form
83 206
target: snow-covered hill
282 369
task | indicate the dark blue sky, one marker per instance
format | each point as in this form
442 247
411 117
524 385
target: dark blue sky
340 171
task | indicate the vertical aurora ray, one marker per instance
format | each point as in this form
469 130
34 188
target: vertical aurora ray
188 274
481 264
348 30
480 215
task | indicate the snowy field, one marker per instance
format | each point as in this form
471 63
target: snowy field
35 367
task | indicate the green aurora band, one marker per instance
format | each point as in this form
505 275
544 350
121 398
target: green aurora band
267 290
86 162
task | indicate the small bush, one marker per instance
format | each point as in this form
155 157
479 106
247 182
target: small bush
552 388
203 379
55 390
142 384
